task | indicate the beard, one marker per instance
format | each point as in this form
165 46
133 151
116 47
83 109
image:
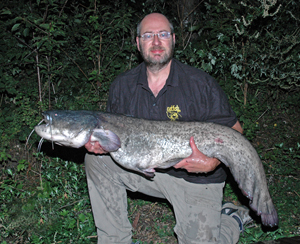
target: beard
152 63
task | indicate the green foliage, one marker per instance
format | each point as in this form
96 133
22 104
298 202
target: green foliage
61 56
58 208
245 47
65 54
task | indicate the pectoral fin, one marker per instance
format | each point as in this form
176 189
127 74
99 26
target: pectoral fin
108 140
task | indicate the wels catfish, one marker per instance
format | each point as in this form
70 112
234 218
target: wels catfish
143 145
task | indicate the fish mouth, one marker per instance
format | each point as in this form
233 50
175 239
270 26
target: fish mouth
47 131
44 130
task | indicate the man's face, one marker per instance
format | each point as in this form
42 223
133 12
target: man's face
156 52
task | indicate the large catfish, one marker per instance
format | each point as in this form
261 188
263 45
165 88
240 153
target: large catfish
142 145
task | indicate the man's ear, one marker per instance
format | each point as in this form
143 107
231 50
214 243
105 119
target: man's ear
138 43
173 38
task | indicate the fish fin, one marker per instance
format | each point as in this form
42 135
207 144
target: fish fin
270 219
267 212
148 172
108 140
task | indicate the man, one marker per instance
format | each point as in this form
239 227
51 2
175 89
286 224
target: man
162 88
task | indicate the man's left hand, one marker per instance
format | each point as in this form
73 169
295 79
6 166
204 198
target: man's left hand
197 162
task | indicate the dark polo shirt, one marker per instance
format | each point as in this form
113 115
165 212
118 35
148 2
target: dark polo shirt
189 95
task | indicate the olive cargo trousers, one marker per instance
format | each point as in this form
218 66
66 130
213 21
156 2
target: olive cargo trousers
197 207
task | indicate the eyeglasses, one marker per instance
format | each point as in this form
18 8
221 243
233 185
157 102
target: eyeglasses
163 35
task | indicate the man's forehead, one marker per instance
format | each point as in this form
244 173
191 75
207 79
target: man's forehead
155 23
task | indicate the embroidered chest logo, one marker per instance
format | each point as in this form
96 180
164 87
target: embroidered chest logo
173 112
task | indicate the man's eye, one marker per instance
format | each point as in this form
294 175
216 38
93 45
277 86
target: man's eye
163 35
148 36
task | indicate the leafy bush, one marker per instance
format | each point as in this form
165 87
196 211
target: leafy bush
64 55
56 208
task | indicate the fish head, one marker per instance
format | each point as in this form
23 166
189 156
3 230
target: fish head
67 128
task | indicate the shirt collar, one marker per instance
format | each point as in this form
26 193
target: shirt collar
172 80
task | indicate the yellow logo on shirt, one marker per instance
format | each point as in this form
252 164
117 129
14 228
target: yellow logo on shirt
173 112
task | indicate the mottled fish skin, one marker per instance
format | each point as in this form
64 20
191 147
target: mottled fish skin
142 145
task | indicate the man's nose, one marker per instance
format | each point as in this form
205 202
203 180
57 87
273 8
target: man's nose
156 40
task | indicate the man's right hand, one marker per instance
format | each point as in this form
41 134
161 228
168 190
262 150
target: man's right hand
95 147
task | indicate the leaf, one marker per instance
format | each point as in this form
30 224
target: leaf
20 167
45 26
82 217
9 171
15 27
6 11
26 32
195 27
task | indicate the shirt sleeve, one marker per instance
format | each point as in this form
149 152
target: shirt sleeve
113 97
219 110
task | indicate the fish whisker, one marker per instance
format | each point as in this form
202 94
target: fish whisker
40 144
27 141
52 143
